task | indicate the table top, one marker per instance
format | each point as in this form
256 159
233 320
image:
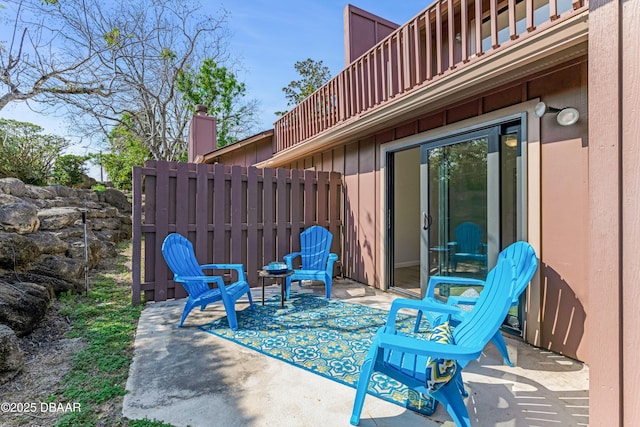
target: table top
265 273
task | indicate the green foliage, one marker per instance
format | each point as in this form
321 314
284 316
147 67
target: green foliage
99 188
127 151
106 321
69 170
112 38
313 75
218 89
26 153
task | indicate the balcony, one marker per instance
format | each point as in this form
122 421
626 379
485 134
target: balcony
441 51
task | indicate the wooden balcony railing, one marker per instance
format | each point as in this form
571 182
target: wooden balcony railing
440 40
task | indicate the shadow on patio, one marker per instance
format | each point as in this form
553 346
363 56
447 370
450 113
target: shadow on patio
189 377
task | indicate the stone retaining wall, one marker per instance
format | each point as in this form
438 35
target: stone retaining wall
42 251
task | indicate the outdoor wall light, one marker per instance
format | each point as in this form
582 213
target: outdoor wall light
564 116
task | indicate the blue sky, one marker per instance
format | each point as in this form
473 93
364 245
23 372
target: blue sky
268 37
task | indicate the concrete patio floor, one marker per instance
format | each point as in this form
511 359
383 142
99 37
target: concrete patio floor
187 377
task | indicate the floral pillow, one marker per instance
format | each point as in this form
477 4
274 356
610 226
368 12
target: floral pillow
440 371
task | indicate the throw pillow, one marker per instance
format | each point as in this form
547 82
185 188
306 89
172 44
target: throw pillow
440 371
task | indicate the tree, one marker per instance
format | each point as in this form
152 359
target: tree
133 52
126 151
26 153
314 74
29 69
218 89
69 170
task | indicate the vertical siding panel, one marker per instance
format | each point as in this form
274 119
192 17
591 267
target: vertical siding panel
630 78
136 236
366 212
162 227
606 323
335 210
351 254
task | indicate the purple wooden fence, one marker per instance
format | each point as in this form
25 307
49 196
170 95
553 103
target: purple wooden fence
231 214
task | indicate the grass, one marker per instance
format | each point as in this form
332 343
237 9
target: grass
106 321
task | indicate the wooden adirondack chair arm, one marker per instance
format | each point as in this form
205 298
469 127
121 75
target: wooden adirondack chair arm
391 341
419 305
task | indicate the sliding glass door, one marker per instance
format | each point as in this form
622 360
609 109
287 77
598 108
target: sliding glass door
459 203
454 204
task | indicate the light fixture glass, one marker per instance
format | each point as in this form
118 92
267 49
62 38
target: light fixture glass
567 116
540 109
510 141
564 116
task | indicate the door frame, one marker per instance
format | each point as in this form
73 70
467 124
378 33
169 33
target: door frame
530 199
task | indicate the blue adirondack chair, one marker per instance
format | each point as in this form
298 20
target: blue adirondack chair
468 245
404 358
524 257
179 255
316 259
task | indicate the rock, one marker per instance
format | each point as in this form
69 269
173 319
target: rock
87 181
22 304
62 191
76 250
55 280
57 218
12 186
60 266
117 198
35 192
11 356
48 242
16 250
17 215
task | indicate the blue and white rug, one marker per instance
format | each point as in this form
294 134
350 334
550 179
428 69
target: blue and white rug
327 337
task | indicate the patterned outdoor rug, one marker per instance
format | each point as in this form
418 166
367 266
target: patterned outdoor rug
327 337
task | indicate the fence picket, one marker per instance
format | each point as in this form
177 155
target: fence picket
231 214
